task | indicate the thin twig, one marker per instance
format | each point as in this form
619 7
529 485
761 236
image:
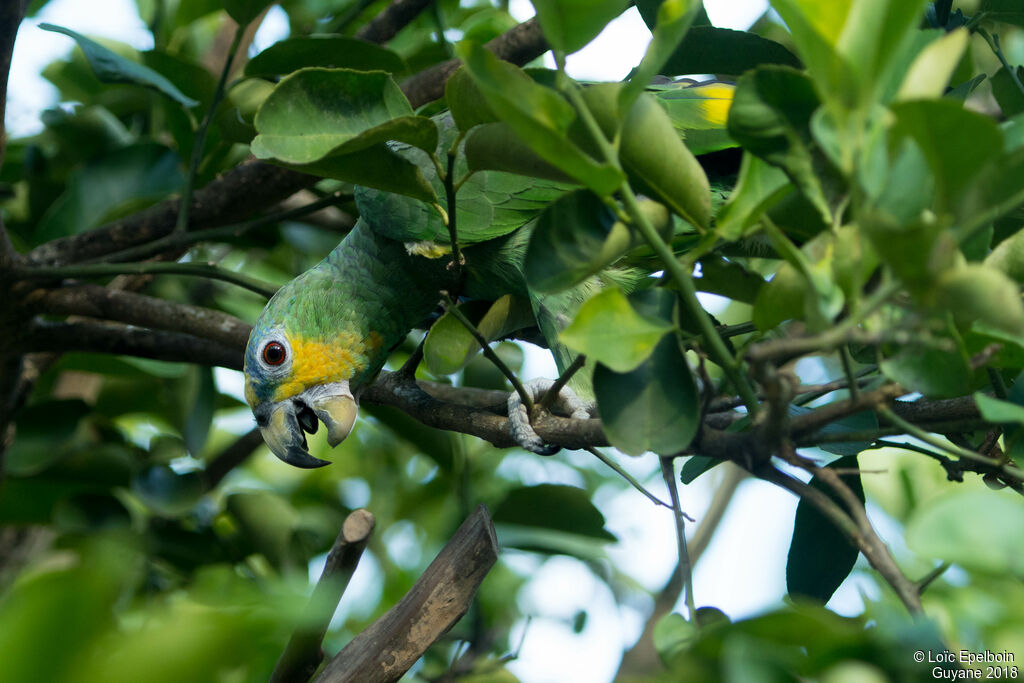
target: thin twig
927 579
178 239
199 141
146 268
668 474
626 475
552 393
489 353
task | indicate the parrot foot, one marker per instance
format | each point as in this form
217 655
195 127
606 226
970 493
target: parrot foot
567 402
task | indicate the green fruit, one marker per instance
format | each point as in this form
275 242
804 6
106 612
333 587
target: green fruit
1008 256
976 292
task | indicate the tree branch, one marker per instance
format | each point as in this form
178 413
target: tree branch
393 643
95 301
393 19
303 653
255 186
230 458
99 337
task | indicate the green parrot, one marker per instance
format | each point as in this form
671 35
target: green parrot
325 336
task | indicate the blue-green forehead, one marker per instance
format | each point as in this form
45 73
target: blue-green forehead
256 377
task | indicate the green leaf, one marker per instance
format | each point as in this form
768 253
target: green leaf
110 67
568 25
125 180
44 430
537 114
655 407
167 492
695 466
931 70
376 167
933 373
553 506
957 143
1009 11
673 635
771 117
465 102
977 292
315 113
820 556
674 19
1006 92
200 417
998 411
268 522
244 11
577 236
338 52
649 13
652 153
815 27
713 50
760 186
497 147
610 331
978 530
449 345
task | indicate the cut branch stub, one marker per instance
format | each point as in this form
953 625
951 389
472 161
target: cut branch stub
393 643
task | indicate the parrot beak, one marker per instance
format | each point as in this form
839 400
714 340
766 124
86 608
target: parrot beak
284 424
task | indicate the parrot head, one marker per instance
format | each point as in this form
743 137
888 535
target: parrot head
303 366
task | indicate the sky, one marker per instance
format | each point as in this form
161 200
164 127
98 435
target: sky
743 570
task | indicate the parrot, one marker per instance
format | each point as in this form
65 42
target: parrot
325 336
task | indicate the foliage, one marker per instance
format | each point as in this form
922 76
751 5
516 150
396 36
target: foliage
852 184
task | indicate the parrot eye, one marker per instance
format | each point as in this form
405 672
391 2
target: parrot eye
273 353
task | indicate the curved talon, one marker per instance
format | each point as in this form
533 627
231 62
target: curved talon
519 419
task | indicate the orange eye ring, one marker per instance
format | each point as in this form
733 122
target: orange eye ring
274 353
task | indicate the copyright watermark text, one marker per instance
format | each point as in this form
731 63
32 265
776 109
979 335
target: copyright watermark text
986 664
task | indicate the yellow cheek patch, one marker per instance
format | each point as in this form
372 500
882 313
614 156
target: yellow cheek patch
715 107
319 362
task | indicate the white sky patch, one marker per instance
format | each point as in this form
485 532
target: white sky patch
28 92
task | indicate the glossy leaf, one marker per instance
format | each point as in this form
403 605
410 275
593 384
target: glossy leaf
537 114
709 49
957 143
576 237
244 11
496 147
652 153
976 292
110 67
760 186
771 116
551 518
568 25
934 373
376 167
655 407
978 530
931 70
610 331
117 183
999 411
316 113
465 102
673 634
1006 92
449 345
820 556
328 51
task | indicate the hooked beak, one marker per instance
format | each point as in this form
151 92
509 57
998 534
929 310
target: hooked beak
284 425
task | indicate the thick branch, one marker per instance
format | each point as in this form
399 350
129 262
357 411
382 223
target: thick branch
255 186
393 643
303 653
393 19
519 45
99 337
95 301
